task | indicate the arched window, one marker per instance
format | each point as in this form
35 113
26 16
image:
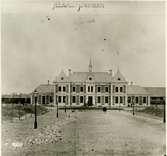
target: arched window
116 89
88 88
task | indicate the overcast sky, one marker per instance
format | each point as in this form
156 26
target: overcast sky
38 42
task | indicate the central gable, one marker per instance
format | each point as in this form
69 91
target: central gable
90 77
118 77
62 77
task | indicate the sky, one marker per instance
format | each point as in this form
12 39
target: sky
39 41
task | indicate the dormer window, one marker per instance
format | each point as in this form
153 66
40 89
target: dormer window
62 78
119 79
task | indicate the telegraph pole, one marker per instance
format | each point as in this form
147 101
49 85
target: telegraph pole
19 105
55 99
70 95
164 118
12 107
65 108
35 99
133 105
57 111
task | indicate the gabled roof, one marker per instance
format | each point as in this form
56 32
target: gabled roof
78 76
45 88
7 96
97 76
16 96
156 91
136 90
62 77
118 77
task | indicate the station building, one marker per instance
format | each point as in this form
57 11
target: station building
95 89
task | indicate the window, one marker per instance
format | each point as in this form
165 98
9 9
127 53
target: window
81 99
137 99
73 89
129 99
81 89
59 99
106 99
91 88
161 98
121 99
47 99
140 100
59 88
116 99
121 89
144 99
62 78
88 88
106 89
64 99
90 78
64 89
51 99
98 89
98 99
119 79
116 89
73 99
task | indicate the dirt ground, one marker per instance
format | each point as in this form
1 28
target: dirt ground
89 133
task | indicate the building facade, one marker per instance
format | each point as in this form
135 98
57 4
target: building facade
95 89
90 88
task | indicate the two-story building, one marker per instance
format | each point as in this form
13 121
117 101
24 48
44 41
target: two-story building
93 89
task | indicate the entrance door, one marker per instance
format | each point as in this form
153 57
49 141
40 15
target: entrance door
90 100
43 99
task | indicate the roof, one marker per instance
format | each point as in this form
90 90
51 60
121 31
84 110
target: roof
156 91
62 77
16 96
118 77
45 88
136 90
84 77
96 76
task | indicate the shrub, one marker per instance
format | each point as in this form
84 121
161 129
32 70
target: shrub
153 110
11 111
104 109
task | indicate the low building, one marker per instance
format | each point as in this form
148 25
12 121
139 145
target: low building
16 98
139 95
157 95
45 94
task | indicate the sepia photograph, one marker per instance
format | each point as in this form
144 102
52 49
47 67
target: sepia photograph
83 78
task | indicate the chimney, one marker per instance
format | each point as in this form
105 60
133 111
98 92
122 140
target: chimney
48 82
110 72
69 72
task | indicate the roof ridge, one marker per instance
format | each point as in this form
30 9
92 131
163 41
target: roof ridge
135 85
91 72
45 84
154 87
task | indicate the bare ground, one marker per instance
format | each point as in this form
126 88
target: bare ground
90 133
